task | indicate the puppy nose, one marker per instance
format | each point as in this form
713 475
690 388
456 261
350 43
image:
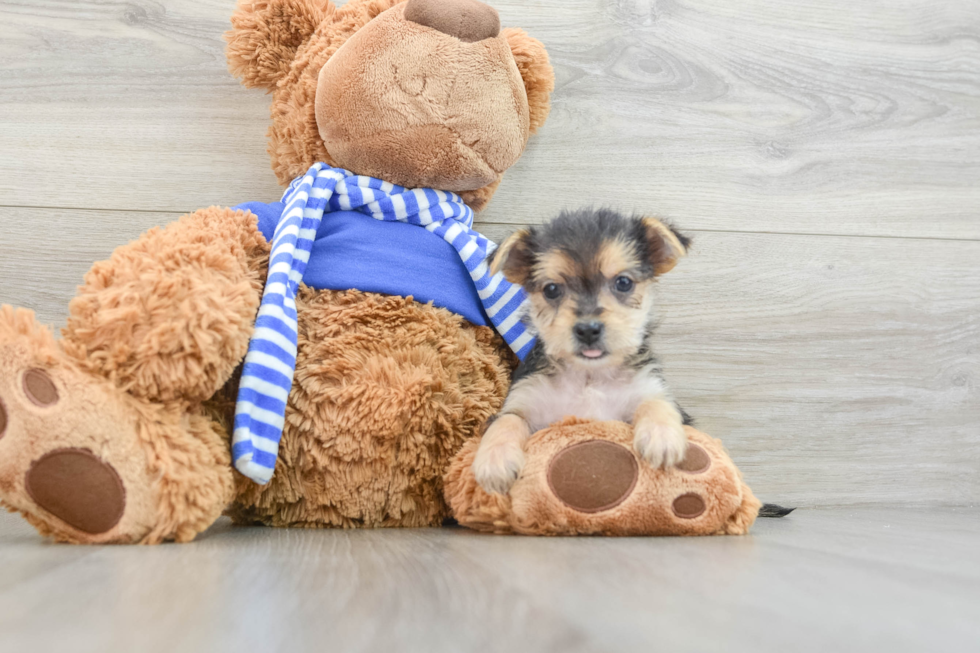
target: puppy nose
467 20
588 332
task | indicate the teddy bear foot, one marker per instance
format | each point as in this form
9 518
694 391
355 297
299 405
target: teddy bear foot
70 460
75 451
581 478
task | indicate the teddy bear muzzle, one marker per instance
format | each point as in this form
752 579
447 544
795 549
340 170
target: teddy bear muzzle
433 104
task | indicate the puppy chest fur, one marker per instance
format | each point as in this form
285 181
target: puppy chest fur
600 394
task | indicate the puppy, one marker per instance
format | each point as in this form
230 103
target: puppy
589 277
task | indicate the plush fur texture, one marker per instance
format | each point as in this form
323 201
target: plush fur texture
389 390
363 112
533 508
433 139
174 464
386 389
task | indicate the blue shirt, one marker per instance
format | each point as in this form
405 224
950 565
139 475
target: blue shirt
353 250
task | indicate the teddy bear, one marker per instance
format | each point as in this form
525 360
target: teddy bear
124 429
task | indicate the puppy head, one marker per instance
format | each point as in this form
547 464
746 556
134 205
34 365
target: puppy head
588 275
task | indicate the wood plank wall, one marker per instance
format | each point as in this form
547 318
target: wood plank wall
824 154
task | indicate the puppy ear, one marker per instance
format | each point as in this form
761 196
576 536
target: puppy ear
514 257
666 245
539 77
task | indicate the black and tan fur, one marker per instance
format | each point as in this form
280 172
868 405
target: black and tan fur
589 277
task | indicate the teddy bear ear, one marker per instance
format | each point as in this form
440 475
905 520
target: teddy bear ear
539 78
264 37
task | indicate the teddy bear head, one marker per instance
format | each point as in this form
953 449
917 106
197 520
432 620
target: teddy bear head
423 93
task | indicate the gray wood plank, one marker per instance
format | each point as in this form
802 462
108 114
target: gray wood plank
45 253
837 370
126 105
821 116
820 580
810 117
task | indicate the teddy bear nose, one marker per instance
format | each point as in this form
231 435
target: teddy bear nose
467 20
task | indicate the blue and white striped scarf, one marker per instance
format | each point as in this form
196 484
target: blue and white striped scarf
267 375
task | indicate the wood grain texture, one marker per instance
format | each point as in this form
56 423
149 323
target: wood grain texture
838 370
824 116
824 580
46 252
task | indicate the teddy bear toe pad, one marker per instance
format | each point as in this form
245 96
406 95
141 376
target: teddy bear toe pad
69 445
3 419
696 460
39 388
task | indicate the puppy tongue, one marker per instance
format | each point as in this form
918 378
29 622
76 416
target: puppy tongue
592 353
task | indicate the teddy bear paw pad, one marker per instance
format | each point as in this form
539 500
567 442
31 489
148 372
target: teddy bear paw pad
3 419
593 476
39 388
689 506
78 488
696 460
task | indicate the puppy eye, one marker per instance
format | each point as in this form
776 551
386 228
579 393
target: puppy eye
552 291
623 284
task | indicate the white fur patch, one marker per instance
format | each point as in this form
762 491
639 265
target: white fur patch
589 394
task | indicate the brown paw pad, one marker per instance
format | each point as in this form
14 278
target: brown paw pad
39 388
696 460
689 506
78 488
593 476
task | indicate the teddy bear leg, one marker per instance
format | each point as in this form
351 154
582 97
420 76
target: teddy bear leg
85 462
113 409
169 316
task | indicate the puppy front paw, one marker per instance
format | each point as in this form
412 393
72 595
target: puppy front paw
497 465
661 444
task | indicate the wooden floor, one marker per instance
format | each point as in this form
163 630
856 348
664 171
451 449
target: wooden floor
824 154
855 579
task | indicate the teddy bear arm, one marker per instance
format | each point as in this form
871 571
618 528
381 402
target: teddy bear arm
169 316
